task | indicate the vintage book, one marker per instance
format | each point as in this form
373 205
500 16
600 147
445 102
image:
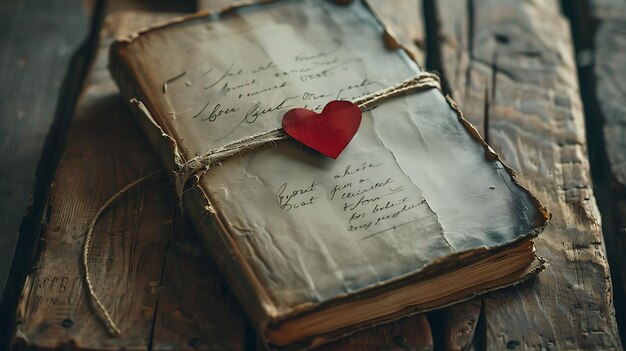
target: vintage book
416 213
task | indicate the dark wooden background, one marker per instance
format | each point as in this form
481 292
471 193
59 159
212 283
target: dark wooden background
542 80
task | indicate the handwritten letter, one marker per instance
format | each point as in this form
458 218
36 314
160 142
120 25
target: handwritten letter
369 192
267 71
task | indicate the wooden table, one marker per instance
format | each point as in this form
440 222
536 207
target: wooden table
550 97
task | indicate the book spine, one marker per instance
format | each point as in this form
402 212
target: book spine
223 251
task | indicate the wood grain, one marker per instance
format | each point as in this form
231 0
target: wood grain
33 66
406 334
609 69
462 321
510 66
197 310
600 36
105 151
130 240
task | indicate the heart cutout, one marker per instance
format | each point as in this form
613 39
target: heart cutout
328 132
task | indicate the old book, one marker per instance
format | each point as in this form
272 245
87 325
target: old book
416 213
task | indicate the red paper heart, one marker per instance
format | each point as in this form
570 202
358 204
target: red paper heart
328 132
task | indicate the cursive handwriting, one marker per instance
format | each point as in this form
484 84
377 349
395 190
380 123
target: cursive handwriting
246 89
349 170
297 198
303 56
216 112
264 90
228 88
369 196
230 72
364 83
257 111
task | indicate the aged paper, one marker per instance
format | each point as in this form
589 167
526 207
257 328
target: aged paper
412 186
245 73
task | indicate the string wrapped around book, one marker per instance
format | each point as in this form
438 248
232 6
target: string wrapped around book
200 164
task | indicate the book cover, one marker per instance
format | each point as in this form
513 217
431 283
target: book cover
416 213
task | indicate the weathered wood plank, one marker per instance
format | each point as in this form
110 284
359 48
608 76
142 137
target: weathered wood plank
510 67
130 240
105 151
33 67
600 34
196 309
609 69
406 334
462 322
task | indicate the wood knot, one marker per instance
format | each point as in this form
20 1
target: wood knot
67 323
512 344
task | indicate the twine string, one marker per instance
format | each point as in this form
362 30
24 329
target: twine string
110 324
198 165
